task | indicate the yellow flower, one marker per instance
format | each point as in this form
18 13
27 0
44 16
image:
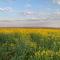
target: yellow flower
58 53
38 53
49 53
43 52
12 44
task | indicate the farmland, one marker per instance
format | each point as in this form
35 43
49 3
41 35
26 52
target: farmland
29 44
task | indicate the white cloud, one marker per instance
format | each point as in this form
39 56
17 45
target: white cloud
56 1
6 9
34 14
55 16
41 14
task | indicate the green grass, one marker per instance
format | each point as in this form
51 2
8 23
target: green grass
16 47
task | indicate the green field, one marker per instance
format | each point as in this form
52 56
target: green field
29 46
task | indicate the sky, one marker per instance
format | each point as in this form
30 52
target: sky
21 9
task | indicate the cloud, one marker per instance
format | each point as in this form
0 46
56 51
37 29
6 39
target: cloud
34 14
56 1
28 13
55 16
6 9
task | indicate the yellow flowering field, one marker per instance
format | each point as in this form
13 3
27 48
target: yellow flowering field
29 44
39 30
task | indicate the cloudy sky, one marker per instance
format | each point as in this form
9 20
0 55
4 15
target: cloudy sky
21 9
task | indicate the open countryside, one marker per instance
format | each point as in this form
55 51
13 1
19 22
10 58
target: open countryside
29 44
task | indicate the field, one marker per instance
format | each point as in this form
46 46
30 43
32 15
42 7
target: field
29 44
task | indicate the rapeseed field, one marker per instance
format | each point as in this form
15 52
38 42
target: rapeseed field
29 44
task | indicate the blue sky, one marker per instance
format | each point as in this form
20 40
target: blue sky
17 9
